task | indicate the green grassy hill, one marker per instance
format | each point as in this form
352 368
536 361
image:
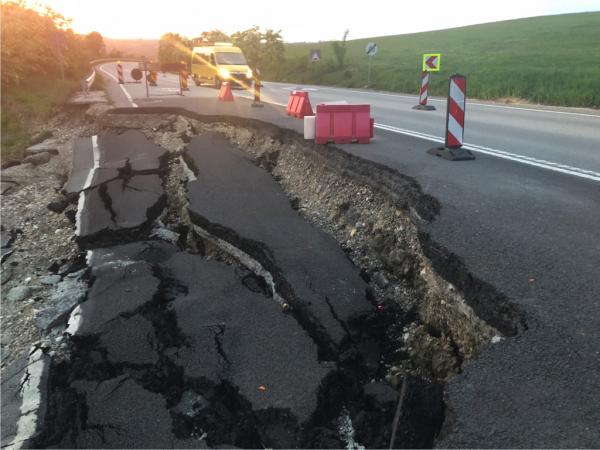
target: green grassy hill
550 59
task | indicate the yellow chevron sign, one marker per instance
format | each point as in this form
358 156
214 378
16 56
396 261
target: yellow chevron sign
432 62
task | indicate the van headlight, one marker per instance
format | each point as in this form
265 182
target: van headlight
224 72
249 74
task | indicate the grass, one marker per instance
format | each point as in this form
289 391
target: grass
26 105
549 59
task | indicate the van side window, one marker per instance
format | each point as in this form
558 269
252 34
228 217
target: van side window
212 59
199 58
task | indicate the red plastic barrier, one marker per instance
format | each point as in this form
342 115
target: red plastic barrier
299 105
343 124
225 94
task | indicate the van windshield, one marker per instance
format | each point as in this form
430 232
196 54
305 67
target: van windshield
236 59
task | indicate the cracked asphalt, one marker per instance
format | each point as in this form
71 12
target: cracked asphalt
173 348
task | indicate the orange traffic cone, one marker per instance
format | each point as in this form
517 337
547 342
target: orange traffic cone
225 94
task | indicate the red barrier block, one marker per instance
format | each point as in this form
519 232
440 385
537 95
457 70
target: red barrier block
299 105
288 108
343 124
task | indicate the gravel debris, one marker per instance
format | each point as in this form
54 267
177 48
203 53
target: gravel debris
42 238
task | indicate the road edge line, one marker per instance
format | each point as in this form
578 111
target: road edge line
548 165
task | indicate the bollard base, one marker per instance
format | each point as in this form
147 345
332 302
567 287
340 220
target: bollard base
424 107
452 154
257 105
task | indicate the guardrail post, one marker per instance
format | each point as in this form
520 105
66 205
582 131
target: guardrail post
455 122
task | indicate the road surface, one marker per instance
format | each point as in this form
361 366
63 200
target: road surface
525 220
561 139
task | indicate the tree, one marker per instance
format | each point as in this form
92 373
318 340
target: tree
263 50
339 50
172 48
211 36
95 45
38 41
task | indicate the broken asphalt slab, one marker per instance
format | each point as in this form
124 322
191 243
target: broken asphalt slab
153 309
248 209
117 178
246 336
24 398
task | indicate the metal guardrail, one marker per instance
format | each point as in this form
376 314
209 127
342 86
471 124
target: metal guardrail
86 83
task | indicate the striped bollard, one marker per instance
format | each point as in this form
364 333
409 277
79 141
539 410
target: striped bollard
423 94
455 122
120 72
257 103
183 77
152 78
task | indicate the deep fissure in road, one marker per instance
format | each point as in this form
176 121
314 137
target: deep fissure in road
424 313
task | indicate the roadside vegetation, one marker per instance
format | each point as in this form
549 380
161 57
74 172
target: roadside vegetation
43 62
550 60
263 49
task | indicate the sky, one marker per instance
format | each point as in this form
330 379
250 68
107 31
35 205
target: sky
299 21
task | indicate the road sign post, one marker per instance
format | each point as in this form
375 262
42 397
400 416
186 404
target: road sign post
371 50
430 63
423 94
315 57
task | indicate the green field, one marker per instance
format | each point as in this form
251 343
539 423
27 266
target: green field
550 60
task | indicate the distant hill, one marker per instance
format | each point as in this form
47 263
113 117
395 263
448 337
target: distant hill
549 59
134 47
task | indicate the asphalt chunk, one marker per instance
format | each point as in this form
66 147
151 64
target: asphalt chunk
120 288
244 337
131 148
247 208
118 413
131 341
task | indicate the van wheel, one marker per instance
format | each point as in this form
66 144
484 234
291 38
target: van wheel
218 82
197 81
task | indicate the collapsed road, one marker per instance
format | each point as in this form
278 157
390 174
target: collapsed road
246 289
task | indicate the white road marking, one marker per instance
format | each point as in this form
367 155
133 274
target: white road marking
96 158
80 208
443 100
549 165
299 88
88 181
251 97
120 85
31 393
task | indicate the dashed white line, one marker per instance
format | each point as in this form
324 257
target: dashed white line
549 165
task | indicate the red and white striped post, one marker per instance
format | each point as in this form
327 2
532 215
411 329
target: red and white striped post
120 72
423 93
455 122
424 88
257 86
